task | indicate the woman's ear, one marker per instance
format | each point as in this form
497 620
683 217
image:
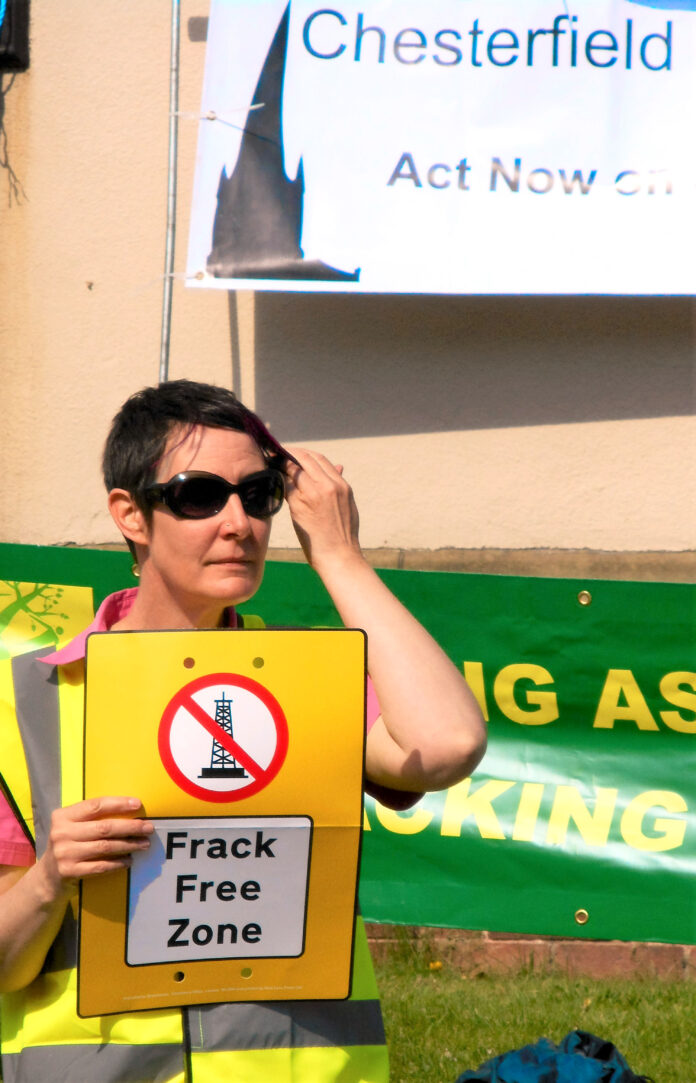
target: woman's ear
128 517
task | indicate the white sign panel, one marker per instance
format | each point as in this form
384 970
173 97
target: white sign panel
453 146
228 888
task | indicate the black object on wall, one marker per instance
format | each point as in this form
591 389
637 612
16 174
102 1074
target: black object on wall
14 35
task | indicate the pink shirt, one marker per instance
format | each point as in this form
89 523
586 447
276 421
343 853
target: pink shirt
15 849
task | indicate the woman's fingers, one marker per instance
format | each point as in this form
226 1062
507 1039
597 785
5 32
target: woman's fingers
313 464
322 507
96 836
95 808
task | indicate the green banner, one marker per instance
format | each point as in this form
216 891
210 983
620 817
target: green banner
580 821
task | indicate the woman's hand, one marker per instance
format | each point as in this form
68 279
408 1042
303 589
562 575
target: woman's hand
322 508
91 838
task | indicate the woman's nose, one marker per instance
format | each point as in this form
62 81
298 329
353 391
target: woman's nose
235 520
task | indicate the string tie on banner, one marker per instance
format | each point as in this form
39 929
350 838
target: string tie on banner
174 275
212 115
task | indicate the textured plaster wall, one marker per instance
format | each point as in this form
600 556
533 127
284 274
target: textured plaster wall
463 422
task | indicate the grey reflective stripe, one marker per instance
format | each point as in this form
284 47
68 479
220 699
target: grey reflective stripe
107 1063
285 1025
38 717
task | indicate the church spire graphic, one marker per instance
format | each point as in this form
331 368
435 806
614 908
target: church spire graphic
258 221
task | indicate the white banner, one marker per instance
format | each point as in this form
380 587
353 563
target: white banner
448 146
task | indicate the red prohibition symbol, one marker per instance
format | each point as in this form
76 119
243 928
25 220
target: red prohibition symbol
223 737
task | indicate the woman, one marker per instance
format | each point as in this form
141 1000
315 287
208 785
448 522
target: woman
193 479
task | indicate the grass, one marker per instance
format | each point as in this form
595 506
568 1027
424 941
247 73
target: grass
440 1023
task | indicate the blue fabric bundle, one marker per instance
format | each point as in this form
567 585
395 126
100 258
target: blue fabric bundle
580 1058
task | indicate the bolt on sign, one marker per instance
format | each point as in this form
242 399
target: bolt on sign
248 888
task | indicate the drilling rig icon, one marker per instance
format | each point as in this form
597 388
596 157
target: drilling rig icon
222 762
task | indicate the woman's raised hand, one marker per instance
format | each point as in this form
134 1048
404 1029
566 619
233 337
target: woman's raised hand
322 508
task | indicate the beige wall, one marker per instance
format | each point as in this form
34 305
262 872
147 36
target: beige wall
504 423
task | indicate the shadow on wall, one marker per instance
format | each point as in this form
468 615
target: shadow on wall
333 366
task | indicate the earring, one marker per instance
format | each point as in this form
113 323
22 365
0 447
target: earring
135 570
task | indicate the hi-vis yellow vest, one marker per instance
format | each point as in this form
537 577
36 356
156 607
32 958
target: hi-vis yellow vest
45 1041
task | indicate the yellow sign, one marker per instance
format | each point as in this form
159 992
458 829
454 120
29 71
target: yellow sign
247 751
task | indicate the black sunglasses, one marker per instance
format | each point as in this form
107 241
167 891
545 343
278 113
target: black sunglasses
197 495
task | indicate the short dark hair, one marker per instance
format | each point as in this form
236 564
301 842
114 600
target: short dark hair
140 430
